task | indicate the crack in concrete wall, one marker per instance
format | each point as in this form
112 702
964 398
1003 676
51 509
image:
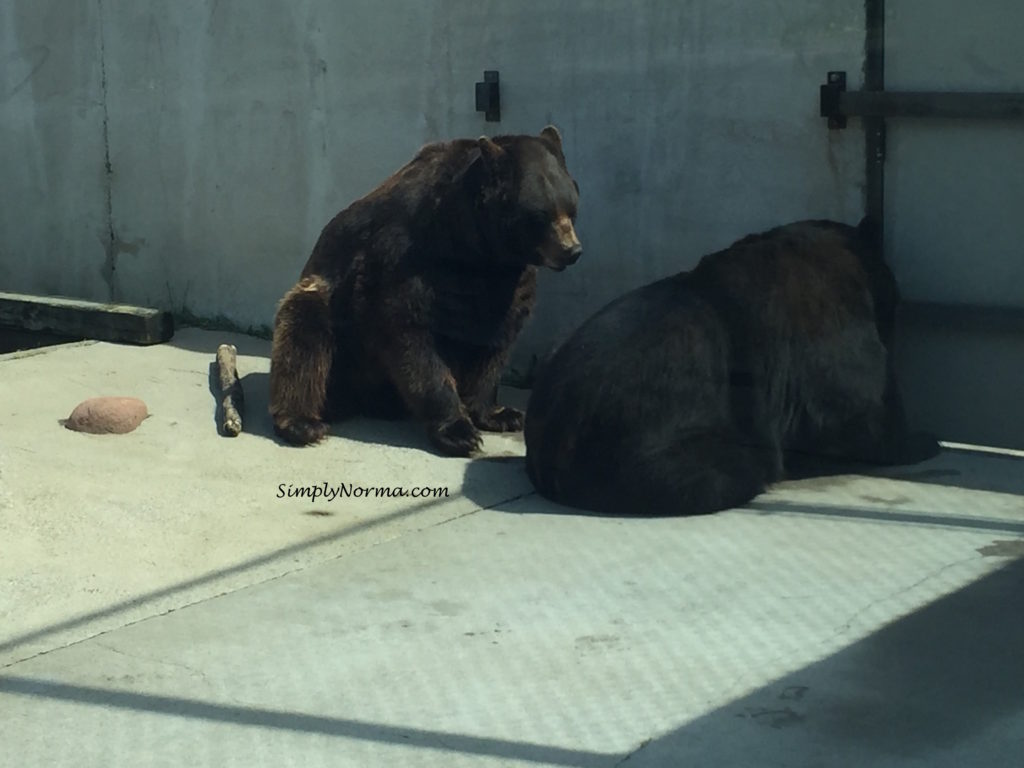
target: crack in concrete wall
111 246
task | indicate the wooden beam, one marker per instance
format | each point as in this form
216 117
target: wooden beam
119 323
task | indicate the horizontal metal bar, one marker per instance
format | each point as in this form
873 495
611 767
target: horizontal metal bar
963 317
992 106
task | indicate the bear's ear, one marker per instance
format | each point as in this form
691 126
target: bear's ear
551 134
491 151
492 155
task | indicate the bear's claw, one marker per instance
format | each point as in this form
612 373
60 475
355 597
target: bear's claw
301 431
455 438
501 419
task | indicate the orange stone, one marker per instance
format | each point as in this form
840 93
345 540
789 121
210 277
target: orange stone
107 415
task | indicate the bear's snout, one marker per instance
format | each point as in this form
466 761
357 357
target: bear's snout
563 247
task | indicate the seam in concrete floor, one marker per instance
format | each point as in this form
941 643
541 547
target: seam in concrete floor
212 576
23 353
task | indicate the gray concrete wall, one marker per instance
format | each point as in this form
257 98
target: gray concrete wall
953 219
186 154
954 187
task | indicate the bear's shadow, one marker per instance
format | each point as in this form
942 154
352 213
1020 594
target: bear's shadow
951 468
485 473
256 418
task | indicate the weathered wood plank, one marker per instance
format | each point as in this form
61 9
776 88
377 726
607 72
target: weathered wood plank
120 323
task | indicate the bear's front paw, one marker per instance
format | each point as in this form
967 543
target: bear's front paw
455 438
501 419
300 431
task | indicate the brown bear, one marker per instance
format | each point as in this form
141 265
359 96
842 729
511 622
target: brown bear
771 358
414 294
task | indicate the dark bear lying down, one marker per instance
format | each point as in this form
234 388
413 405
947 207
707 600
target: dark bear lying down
692 394
413 295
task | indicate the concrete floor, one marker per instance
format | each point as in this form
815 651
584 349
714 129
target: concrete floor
161 605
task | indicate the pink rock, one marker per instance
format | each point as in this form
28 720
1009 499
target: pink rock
107 415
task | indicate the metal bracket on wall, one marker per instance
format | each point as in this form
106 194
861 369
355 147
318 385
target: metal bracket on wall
488 96
837 103
830 92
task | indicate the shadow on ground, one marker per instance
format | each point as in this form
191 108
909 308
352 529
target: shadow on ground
193 339
952 468
256 418
942 686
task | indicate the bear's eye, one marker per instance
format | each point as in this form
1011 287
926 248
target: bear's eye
539 219
533 223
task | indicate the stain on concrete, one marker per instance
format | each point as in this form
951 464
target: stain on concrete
22 66
388 595
793 693
588 644
773 718
1003 548
894 501
927 474
447 607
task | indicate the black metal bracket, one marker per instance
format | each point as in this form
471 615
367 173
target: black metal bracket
488 96
837 104
830 95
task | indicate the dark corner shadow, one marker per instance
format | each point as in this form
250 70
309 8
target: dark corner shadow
952 467
966 470
296 722
914 692
10 643
188 338
970 470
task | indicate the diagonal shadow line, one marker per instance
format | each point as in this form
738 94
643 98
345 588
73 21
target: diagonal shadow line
301 723
939 685
886 516
134 602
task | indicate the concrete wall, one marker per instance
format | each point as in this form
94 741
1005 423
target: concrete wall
187 154
954 228
954 187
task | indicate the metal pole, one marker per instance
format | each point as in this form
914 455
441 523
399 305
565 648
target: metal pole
874 126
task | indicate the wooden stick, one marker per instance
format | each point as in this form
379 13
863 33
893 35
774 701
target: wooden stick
232 399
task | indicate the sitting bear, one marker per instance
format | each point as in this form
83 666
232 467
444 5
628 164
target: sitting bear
414 294
692 394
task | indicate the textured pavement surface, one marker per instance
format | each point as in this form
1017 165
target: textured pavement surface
161 605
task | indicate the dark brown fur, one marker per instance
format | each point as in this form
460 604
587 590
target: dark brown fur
692 394
413 295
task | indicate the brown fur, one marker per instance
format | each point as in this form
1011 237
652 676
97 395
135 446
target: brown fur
692 394
301 352
420 289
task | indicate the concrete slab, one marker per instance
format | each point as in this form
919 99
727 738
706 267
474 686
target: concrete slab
100 530
835 622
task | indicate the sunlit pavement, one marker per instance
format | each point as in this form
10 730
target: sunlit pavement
167 600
